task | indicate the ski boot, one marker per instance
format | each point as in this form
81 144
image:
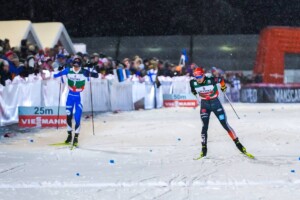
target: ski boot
203 152
242 148
69 138
75 140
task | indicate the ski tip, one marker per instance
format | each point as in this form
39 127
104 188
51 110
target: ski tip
198 158
249 155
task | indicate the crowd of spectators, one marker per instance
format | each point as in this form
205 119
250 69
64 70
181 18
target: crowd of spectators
17 64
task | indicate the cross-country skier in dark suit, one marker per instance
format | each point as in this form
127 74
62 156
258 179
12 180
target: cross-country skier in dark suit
206 88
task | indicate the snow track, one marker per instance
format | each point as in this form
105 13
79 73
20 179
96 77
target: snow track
149 155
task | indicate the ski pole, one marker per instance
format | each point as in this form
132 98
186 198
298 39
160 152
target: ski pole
231 105
92 102
58 104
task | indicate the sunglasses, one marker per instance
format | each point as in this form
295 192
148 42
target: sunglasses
198 77
77 63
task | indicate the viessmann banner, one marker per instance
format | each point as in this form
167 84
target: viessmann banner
39 116
271 93
180 100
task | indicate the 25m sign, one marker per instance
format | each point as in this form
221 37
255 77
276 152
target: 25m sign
41 116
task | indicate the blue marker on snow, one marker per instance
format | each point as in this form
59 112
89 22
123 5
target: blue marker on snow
293 171
77 174
178 139
112 161
31 140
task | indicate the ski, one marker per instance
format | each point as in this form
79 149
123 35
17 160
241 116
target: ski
72 147
198 158
60 144
202 154
249 155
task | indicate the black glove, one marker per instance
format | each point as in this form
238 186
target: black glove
223 88
61 67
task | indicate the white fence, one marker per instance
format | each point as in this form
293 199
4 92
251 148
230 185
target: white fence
108 95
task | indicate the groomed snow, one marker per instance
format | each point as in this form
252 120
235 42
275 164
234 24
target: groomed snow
153 153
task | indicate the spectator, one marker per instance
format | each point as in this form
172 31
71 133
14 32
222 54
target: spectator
52 54
1 49
4 72
236 86
62 50
15 66
95 58
108 65
59 63
161 70
127 63
139 67
190 68
6 45
31 50
47 64
86 58
30 64
40 55
215 72
47 52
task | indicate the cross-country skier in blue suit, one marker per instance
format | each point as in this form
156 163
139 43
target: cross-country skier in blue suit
76 81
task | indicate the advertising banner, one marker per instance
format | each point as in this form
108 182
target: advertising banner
271 93
180 100
39 116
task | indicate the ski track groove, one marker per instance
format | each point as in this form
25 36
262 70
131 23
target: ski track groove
12 169
139 194
105 151
173 178
146 179
164 193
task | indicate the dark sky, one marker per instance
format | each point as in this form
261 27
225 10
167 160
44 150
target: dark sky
151 17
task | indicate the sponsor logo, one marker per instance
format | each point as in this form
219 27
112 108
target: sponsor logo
180 103
206 89
249 95
276 75
42 121
287 95
221 117
203 110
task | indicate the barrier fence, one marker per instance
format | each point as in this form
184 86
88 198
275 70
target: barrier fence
108 95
